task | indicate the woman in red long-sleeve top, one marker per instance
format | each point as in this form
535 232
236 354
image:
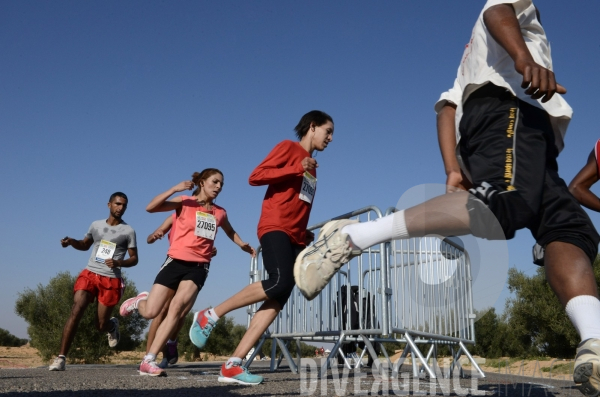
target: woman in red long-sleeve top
290 172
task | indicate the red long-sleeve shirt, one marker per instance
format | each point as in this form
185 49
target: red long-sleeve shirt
282 209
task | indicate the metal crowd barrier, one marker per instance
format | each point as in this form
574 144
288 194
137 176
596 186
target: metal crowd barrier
414 291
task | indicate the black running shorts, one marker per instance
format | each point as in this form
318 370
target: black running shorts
174 271
509 148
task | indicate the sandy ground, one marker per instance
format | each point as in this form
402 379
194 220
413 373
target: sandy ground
28 357
541 368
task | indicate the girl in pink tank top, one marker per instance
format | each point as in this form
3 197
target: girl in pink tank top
184 271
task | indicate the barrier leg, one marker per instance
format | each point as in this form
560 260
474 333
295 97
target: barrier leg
386 355
416 352
398 364
298 353
286 353
274 363
473 363
258 348
334 351
373 354
345 359
429 355
455 362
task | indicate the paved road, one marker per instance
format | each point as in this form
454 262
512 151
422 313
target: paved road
197 379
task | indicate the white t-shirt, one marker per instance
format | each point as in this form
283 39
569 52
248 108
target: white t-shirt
485 61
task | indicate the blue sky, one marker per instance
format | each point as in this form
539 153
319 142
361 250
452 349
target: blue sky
97 97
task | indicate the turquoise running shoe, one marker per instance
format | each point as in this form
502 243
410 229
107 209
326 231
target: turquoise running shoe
239 374
201 328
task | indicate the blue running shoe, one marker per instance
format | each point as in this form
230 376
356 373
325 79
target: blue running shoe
239 374
201 328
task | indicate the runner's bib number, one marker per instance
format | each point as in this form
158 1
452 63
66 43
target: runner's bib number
309 185
206 225
106 250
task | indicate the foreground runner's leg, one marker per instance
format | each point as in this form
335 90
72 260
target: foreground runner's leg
339 241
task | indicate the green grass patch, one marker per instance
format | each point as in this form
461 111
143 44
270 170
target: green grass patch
564 368
501 362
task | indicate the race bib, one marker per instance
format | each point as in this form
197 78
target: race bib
106 250
206 225
309 185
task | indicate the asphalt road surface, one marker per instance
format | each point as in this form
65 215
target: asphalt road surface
200 379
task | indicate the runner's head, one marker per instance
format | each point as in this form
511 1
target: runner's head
117 204
315 128
209 183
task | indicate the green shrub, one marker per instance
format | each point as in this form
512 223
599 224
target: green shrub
9 340
47 308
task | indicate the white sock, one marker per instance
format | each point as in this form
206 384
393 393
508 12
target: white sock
584 313
212 315
232 361
367 234
150 357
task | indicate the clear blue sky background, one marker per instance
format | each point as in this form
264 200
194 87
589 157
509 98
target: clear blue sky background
97 97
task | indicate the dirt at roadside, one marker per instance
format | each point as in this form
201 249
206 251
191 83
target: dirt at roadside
28 357
20 357
541 368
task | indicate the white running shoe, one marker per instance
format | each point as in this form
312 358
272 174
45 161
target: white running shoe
58 364
114 336
587 367
318 263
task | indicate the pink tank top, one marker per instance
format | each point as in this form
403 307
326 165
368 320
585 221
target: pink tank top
185 245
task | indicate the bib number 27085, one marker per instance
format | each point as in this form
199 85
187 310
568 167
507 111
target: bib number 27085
206 225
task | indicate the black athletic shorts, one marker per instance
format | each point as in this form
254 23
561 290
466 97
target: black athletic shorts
174 271
279 255
509 148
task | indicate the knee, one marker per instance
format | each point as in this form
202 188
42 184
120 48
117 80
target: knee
281 289
78 309
177 309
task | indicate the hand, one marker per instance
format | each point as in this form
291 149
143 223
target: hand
213 252
182 186
308 163
157 235
309 238
246 247
538 81
456 182
112 263
65 242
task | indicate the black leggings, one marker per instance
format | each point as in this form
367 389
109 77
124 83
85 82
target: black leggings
279 255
